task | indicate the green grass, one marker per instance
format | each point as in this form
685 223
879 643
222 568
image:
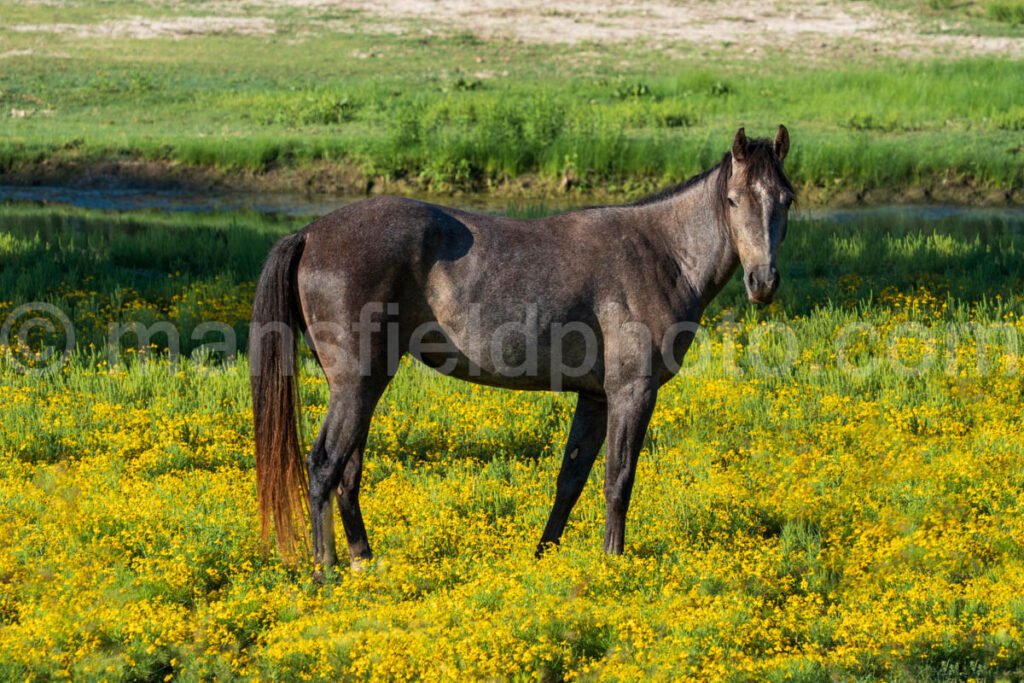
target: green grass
143 267
1007 11
442 114
960 17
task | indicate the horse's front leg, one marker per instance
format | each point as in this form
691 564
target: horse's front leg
629 412
585 438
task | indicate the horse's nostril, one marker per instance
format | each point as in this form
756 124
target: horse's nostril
761 276
762 281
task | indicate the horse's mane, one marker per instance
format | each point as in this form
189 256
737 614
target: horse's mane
761 164
679 188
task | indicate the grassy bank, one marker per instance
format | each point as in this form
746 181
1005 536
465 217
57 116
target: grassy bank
851 512
340 111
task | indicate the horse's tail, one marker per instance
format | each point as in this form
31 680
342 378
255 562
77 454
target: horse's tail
276 317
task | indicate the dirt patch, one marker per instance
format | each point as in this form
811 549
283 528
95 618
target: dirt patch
830 30
175 28
751 26
16 53
574 22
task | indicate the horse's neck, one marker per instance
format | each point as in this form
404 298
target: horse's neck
697 242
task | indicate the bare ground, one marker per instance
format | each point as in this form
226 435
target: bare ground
801 27
175 27
813 29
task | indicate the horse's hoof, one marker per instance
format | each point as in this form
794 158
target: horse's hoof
545 548
360 564
318 576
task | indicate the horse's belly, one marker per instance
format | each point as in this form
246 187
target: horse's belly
515 355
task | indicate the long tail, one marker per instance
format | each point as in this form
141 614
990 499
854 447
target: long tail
280 475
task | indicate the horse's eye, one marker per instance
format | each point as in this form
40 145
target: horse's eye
732 202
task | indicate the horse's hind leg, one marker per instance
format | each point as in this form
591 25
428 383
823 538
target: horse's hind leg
348 504
585 438
335 467
320 514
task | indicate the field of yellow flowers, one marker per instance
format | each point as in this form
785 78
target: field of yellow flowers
832 490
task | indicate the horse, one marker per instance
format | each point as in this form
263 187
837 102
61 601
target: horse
602 301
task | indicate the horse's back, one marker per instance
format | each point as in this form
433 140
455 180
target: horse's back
470 275
366 232
381 233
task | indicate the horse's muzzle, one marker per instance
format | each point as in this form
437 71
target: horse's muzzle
761 282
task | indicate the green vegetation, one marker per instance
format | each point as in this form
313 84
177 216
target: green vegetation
1009 11
416 112
987 17
807 520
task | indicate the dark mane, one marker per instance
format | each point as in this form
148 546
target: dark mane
761 164
678 188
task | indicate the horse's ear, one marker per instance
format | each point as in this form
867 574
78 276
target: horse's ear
739 145
782 143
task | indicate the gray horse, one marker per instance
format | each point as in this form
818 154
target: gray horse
602 302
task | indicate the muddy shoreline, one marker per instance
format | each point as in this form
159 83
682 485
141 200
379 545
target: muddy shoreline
327 181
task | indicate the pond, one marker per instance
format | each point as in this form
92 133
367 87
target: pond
129 199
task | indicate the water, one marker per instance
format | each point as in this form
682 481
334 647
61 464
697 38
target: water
127 199
900 214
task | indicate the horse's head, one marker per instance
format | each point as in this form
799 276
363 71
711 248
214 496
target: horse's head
758 198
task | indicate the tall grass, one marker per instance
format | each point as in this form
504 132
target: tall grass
142 268
1008 11
225 106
